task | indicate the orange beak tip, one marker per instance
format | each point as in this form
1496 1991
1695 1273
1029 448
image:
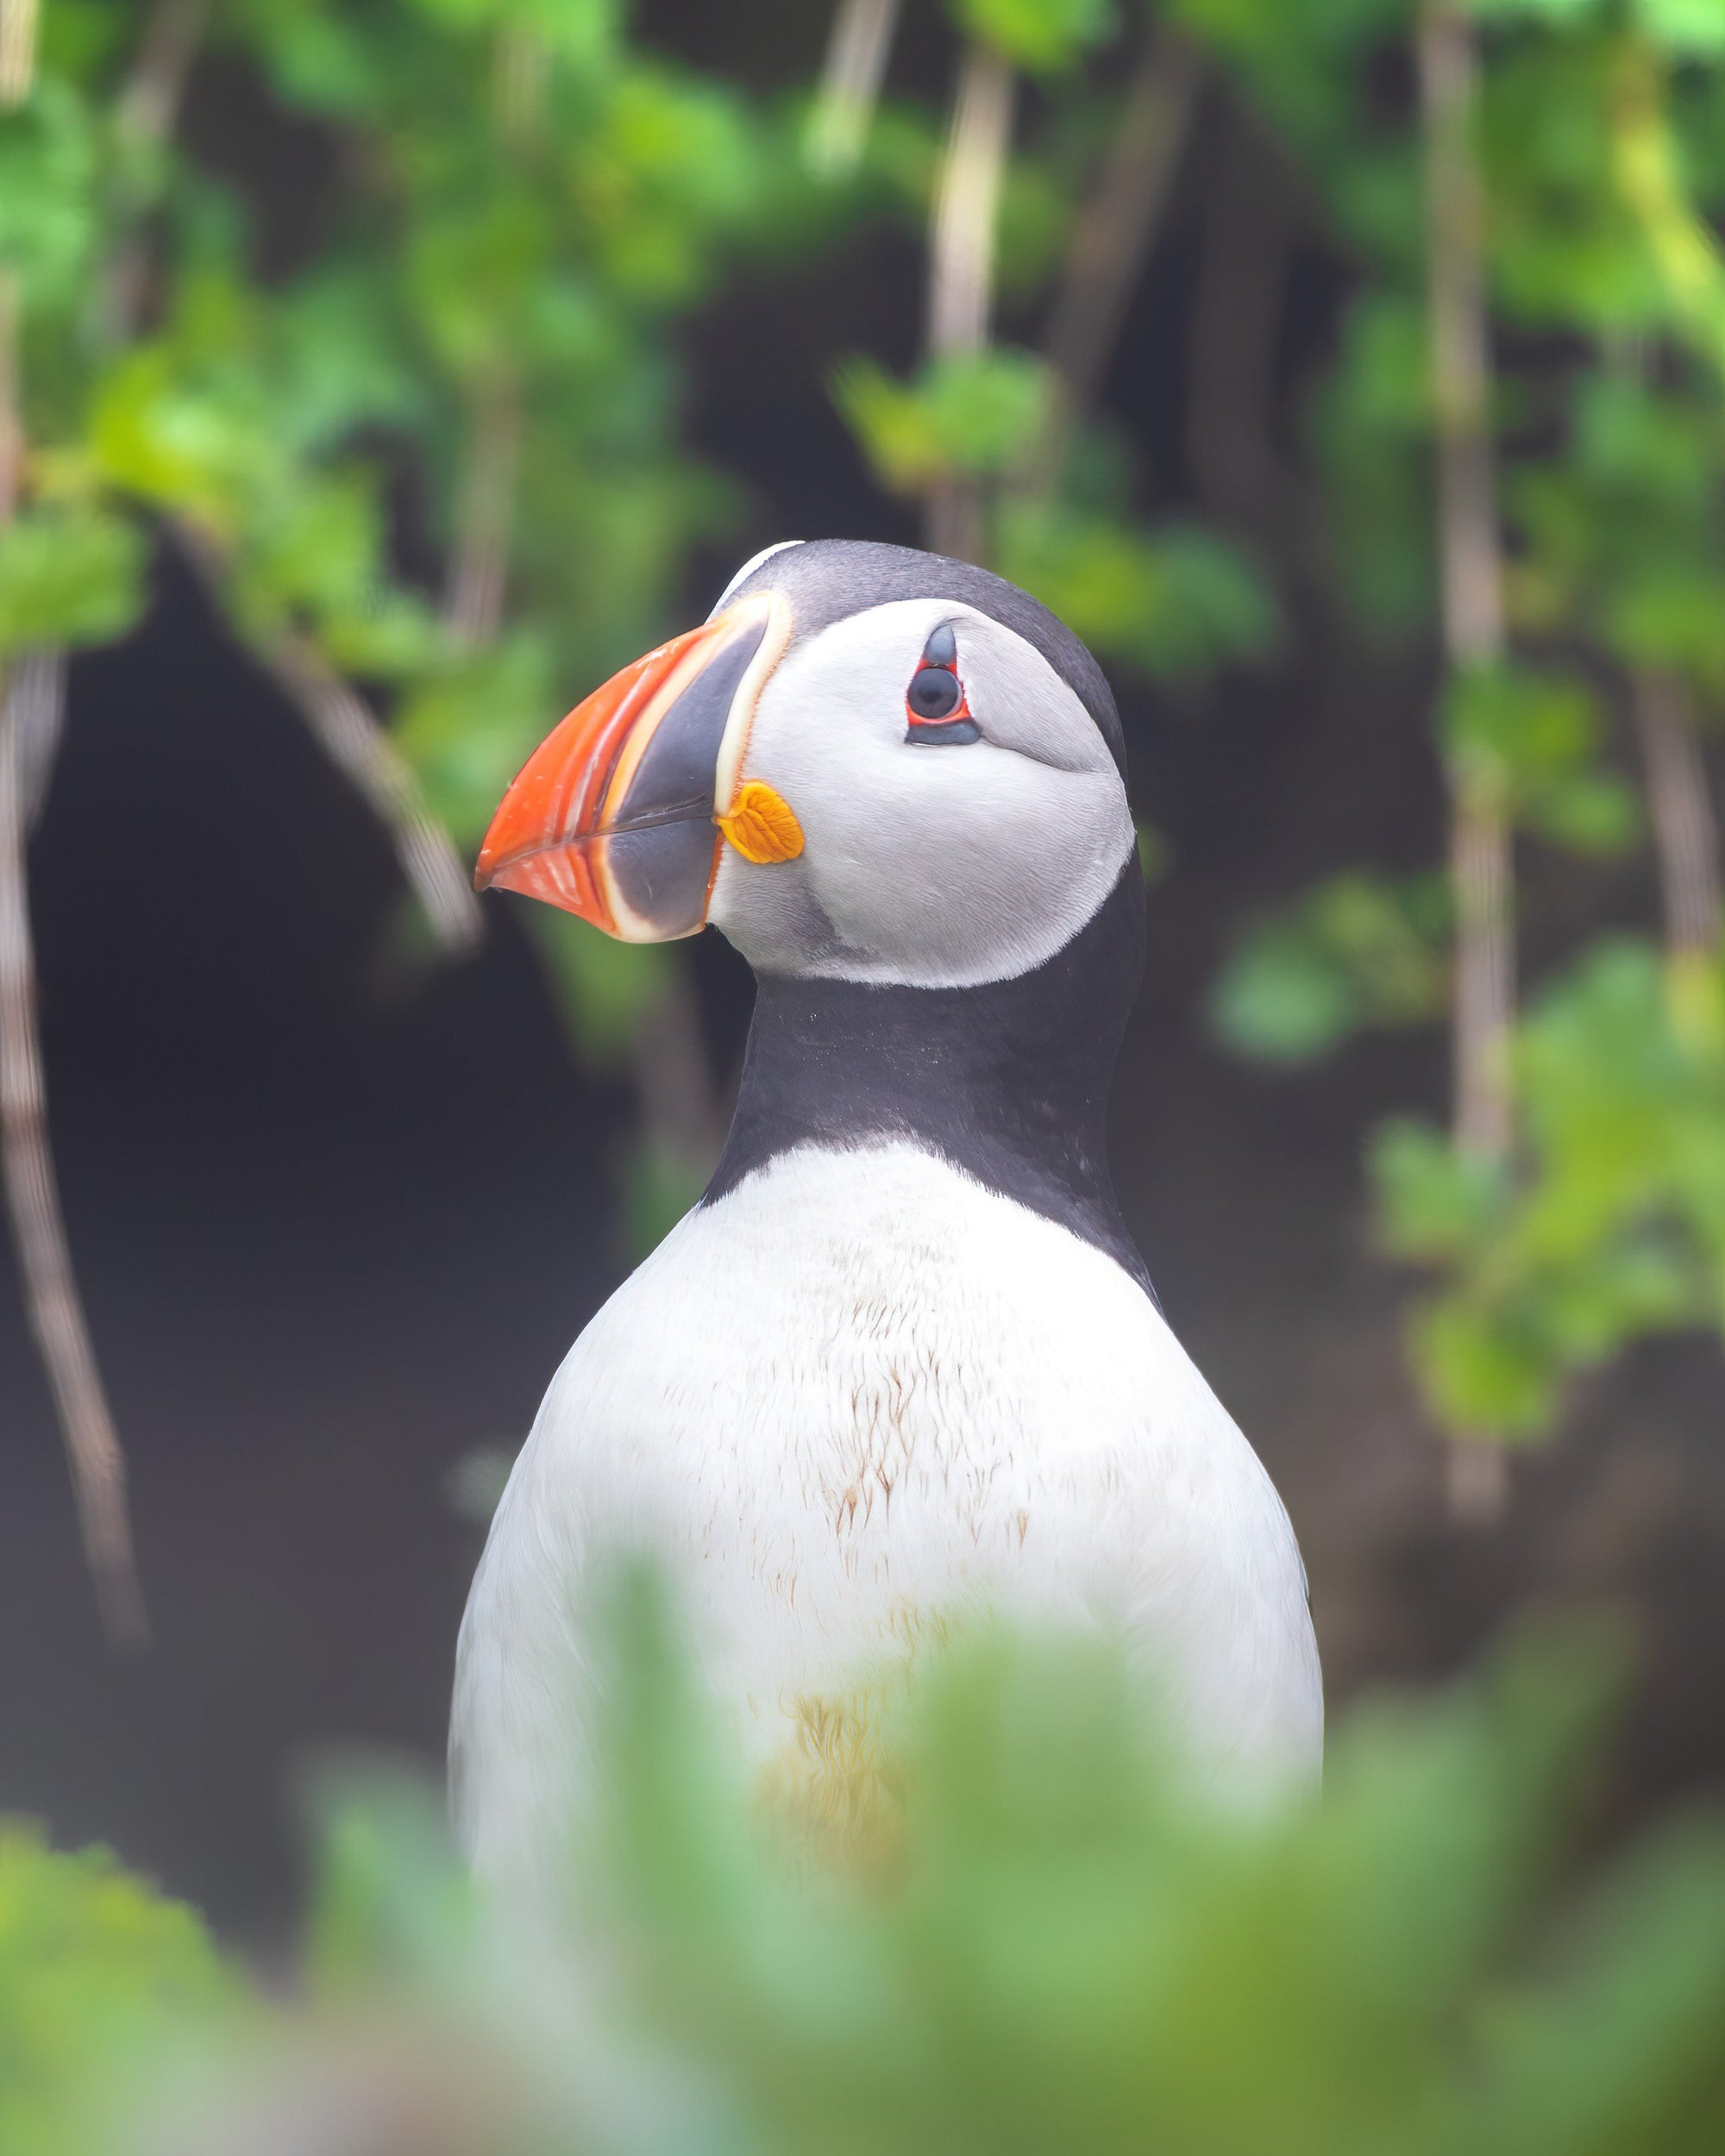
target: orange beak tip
555 835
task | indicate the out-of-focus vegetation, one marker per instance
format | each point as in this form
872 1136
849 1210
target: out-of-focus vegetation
1589 136
1047 1944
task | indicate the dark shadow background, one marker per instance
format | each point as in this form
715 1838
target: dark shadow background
336 1224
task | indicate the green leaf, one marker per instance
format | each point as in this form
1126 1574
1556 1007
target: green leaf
1283 999
970 416
1041 35
1434 1202
1532 738
69 576
1561 13
1484 1376
98 1974
392 1904
317 57
1357 951
50 209
1685 27
1590 812
1671 618
1178 601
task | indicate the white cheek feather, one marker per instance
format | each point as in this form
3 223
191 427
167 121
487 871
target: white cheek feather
857 1395
936 866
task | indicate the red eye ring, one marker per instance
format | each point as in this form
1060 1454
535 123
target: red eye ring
936 708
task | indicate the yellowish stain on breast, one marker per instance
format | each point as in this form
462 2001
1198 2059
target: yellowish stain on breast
830 1787
834 1786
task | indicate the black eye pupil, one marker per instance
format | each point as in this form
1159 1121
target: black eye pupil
934 694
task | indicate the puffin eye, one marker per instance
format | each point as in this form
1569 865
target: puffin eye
934 694
935 701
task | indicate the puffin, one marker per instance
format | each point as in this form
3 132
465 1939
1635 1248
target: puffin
901 1367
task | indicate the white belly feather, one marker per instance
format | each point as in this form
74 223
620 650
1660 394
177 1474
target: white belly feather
861 1392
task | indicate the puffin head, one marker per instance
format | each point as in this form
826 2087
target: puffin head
869 764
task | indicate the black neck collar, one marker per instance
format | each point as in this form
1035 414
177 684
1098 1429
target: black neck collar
1009 1081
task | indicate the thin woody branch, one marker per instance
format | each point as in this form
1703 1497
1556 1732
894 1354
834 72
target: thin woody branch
477 584
32 708
962 262
1237 312
358 743
1113 237
1685 829
855 68
18 19
29 720
149 104
1471 569
146 113
478 571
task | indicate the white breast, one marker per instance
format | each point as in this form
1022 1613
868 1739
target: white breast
860 1393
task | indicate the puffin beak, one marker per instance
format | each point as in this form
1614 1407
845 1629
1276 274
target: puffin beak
620 812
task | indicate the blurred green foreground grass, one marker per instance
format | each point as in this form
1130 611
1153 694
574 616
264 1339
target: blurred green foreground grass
1059 1951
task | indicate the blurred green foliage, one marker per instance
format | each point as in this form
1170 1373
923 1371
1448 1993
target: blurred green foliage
68 575
528 198
99 1976
1055 1943
1358 951
1595 143
1177 601
1614 1224
1040 36
972 414
1536 736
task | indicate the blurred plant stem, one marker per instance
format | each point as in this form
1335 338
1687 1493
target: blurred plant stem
962 266
145 113
350 734
1471 570
355 741
478 570
1242 281
1113 240
32 708
17 50
478 586
335 713
855 68
1685 829
145 117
